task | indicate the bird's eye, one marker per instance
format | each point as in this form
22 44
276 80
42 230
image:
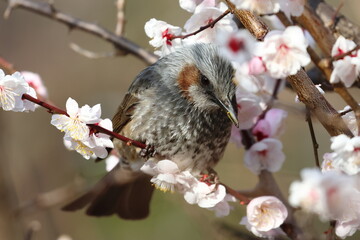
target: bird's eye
204 80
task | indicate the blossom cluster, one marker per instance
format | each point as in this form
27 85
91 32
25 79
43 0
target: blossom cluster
78 135
264 214
12 88
332 195
347 68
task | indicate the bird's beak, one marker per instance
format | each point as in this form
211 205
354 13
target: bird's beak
230 107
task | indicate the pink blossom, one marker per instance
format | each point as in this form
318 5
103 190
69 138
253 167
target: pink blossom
346 69
266 213
34 81
265 155
292 7
249 108
256 66
272 126
345 229
205 196
223 208
236 46
284 53
330 195
235 136
161 34
253 81
204 16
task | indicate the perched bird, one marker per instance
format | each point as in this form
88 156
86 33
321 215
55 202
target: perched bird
183 106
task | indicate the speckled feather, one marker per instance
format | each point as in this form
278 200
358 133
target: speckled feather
192 134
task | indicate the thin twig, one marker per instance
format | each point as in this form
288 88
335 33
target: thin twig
341 4
34 226
89 54
45 9
270 103
313 137
345 112
242 198
341 56
52 198
209 25
330 233
120 23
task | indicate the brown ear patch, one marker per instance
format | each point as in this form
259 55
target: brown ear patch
189 75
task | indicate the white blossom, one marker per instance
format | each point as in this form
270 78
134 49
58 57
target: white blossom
95 145
74 125
346 69
350 120
12 88
223 208
205 196
236 46
330 195
266 213
167 175
265 155
251 77
111 161
34 80
192 5
161 34
292 7
204 16
284 52
345 229
271 234
346 156
249 108
259 6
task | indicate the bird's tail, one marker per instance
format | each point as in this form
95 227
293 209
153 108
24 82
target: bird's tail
122 192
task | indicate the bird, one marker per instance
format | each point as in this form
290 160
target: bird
183 106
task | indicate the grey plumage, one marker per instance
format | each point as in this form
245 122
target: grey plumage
179 105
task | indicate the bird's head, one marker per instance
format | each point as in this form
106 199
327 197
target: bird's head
204 78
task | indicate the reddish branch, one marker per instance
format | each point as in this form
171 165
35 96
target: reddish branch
211 24
55 110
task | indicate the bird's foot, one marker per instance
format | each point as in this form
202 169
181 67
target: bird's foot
147 152
211 178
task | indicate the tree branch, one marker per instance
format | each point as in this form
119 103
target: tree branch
55 110
47 10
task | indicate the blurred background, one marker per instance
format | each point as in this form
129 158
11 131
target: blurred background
35 167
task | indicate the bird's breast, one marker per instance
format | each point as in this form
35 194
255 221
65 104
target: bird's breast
193 138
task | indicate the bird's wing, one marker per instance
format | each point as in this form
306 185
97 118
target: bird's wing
145 80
